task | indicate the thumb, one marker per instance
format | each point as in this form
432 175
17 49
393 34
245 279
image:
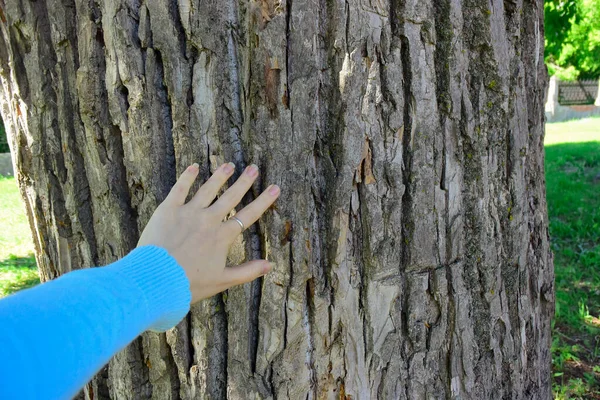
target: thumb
246 272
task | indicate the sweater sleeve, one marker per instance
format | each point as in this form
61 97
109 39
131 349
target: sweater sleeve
56 336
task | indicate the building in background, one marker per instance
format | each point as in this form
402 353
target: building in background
572 100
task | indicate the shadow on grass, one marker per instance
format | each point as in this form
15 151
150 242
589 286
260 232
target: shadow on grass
17 273
573 185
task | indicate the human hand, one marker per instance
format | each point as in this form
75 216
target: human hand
196 236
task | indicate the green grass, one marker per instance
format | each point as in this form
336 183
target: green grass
17 273
577 131
573 192
17 264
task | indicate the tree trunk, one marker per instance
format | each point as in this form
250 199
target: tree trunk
411 236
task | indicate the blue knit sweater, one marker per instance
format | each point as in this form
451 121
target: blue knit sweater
56 336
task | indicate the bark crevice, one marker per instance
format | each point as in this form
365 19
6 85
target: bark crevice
410 237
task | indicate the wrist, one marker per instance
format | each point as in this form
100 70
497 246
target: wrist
163 283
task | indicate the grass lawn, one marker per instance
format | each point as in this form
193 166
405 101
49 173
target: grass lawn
579 131
573 192
17 264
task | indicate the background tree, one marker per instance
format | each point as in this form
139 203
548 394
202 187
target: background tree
411 236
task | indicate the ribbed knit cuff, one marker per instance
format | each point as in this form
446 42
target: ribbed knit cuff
163 282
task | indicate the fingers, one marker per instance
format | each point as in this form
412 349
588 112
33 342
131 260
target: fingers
207 192
252 212
182 187
235 193
246 272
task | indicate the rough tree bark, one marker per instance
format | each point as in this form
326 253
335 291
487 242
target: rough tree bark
411 236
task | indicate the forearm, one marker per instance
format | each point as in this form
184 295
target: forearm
56 336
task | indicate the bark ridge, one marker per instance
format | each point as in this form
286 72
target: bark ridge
411 236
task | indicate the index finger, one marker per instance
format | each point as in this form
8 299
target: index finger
182 187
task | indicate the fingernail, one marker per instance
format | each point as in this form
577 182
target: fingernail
196 166
274 190
268 267
229 167
252 170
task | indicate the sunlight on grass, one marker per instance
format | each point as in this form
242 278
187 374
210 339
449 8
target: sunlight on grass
573 188
583 130
17 264
15 236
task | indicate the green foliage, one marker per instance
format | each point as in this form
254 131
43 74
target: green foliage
573 184
572 38
569 73
558 17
